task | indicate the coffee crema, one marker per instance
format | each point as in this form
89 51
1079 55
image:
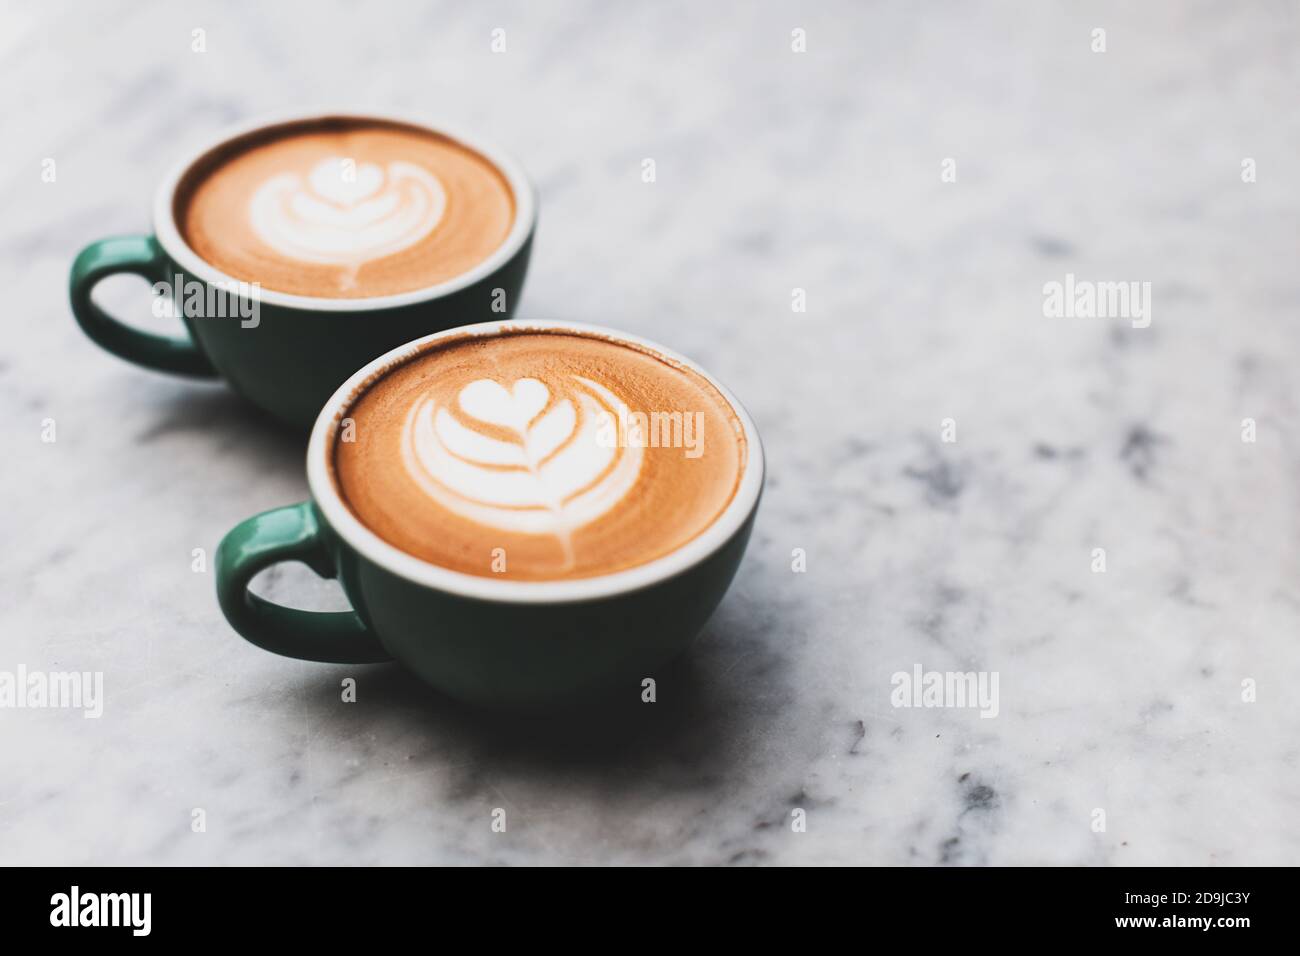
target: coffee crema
538 455
344 208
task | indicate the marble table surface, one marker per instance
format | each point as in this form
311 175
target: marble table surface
1146 713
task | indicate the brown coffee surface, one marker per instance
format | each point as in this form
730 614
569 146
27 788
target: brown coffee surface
522 455
344 208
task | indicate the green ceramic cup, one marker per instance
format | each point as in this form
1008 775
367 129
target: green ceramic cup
482 640
287 353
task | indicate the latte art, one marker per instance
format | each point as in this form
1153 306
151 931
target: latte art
346 214
494 455
551 475
345 208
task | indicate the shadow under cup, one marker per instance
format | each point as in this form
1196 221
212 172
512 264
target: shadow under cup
288 353
514 644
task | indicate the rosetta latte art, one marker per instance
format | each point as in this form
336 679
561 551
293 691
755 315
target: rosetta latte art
552 477
347 214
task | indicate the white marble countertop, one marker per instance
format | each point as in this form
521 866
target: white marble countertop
1119 691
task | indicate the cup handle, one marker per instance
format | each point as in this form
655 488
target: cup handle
139 255
291 533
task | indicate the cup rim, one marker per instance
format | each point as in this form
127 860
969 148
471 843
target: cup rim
169 236
391 558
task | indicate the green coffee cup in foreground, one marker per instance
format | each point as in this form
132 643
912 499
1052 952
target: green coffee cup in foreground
296 249
518 512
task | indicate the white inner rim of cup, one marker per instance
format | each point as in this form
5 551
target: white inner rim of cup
169 236
321 448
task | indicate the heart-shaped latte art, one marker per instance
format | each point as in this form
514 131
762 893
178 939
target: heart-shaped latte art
346 214
557 473
488 401
344 183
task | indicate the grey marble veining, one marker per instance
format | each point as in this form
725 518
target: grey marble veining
1119 691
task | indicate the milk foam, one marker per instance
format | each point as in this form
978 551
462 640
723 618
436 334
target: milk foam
504 455
552 477
346 214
